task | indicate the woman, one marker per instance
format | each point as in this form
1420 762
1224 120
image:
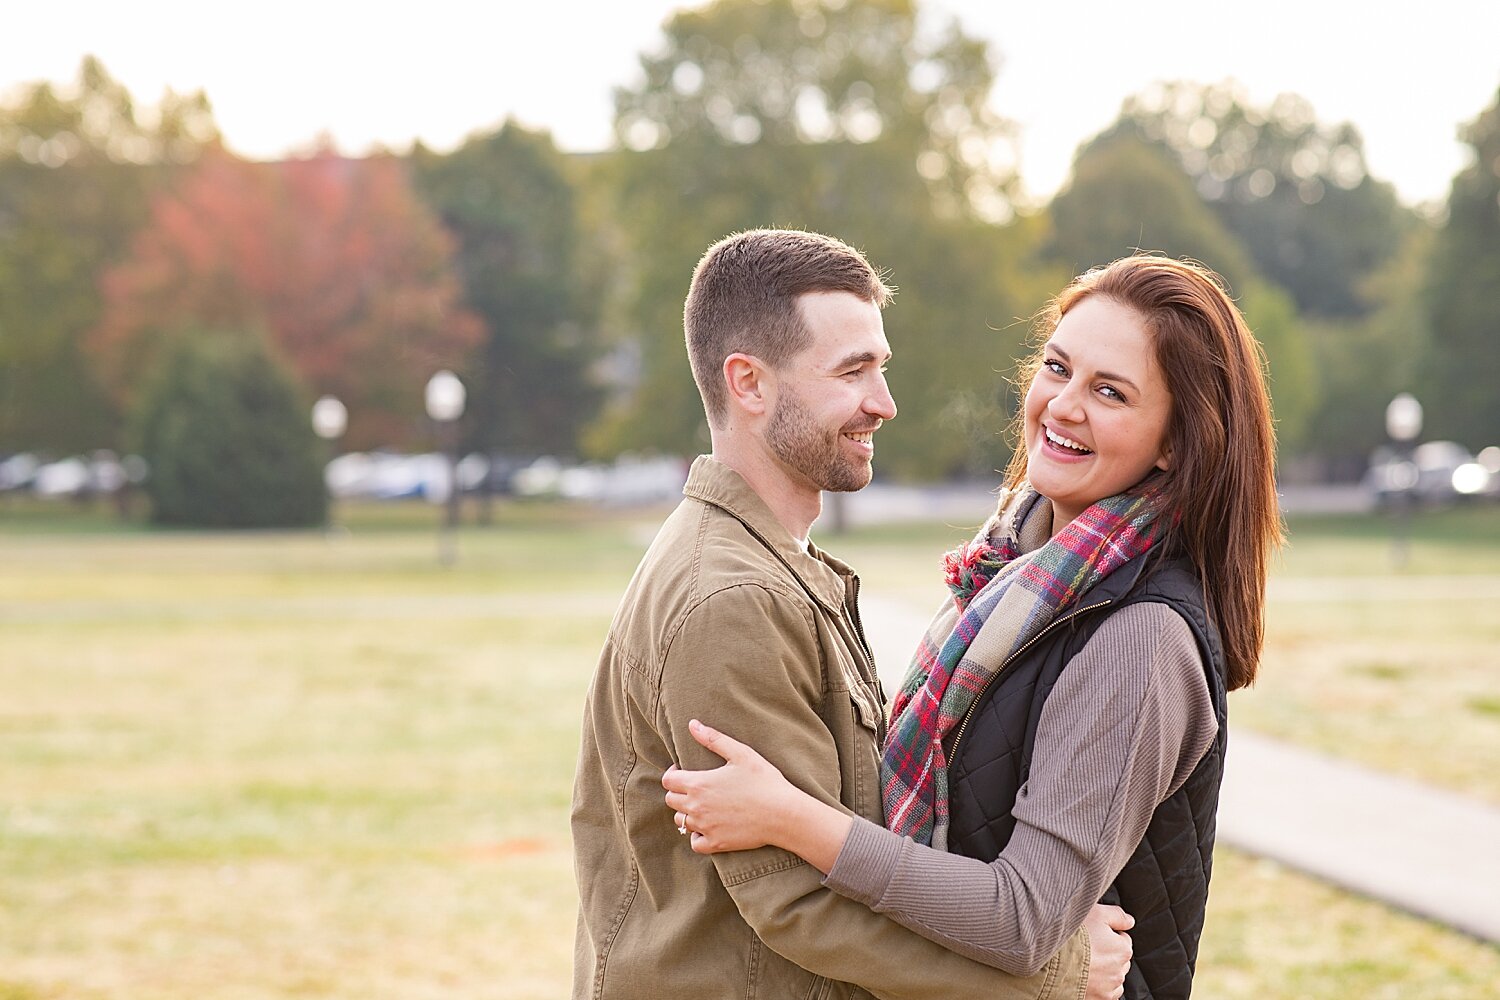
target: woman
1059 738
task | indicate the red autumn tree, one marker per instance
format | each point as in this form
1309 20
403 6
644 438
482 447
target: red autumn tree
334 261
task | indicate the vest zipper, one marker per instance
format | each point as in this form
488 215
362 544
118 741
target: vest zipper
952 753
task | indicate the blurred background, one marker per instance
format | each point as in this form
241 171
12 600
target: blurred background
308 265
519 198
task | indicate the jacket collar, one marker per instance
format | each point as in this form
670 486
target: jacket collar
715 483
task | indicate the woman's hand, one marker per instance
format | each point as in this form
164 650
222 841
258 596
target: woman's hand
735 807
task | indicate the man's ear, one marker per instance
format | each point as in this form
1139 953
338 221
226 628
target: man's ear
748 380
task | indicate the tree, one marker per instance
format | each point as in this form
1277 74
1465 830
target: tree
1363 363
334 260
1464 365
1296 192
835 117
77 168
508 201
1126 194
226 436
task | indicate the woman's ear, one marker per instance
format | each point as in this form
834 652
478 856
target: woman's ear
1164 460
748 380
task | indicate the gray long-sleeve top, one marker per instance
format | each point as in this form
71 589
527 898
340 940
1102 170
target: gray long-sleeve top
1126 724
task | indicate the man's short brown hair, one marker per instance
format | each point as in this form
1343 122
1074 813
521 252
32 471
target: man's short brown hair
743 300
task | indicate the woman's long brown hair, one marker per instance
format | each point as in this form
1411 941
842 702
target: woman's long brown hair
1219 491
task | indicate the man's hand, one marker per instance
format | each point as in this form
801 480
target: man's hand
1109 951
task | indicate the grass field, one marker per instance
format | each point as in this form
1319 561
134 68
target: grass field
298 765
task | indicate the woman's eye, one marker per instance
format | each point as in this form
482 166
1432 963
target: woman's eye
1110 392
1055 367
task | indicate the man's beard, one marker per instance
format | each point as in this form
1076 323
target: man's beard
796 439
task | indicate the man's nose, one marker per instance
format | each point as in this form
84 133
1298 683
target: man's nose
881 403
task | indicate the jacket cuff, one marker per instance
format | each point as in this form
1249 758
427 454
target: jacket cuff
866 863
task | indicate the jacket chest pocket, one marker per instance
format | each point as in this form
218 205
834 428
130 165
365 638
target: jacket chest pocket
861 753
866 711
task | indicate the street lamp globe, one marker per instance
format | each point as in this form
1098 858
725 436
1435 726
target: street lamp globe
329 418
445 404
445 397
1403 422
1403 417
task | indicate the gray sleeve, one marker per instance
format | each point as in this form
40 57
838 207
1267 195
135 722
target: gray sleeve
1123 728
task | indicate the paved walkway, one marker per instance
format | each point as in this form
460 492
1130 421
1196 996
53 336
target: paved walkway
968 503
1425 851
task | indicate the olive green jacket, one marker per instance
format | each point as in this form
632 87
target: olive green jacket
728 620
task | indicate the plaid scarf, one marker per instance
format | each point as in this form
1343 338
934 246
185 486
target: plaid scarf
1009 583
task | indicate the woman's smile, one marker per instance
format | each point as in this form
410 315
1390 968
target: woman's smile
1066 444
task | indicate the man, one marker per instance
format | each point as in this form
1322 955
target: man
733 615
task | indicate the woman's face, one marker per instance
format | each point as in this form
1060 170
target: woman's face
1097 411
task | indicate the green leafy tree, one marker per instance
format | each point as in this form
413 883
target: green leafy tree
1127 194
1462 399
78 166
1363 363
835 117
225 434
508 200
1295 192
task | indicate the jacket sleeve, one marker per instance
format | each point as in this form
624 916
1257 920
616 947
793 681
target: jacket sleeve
748 662
1125 725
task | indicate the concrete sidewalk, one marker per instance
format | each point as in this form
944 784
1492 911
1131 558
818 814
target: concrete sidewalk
1419 849
967 504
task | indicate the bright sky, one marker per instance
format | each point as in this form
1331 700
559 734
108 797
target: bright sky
281 73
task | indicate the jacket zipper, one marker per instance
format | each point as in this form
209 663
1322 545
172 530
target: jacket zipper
859 626
952 753
869 675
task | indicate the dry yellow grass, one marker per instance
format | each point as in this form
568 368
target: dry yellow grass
278 766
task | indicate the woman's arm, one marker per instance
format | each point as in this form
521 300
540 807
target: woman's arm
747 803
1122 728
1126 723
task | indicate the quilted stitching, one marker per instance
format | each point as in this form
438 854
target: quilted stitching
1164 885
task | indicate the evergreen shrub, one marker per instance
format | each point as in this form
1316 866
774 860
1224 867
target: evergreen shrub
227 436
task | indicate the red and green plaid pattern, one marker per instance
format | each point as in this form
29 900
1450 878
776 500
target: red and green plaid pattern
1018 594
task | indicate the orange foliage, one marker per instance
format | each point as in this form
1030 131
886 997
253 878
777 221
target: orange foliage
335 261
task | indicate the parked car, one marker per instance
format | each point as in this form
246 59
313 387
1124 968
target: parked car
1430 474
18 471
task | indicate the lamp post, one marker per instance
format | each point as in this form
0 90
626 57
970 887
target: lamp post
329 418
445 404
1403 422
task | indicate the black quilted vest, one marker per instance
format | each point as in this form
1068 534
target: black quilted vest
1164 885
